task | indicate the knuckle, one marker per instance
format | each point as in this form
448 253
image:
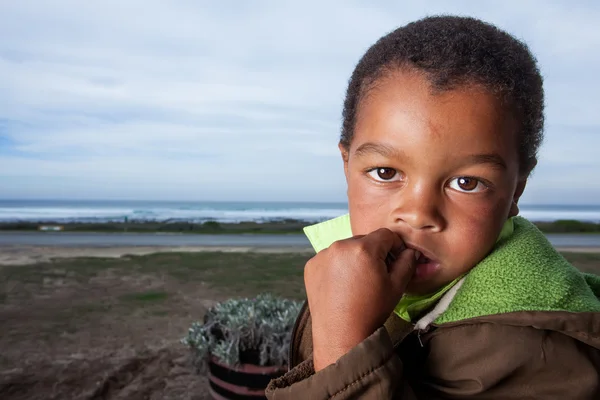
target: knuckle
337 246
361 251
338 250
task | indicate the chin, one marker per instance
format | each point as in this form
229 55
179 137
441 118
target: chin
421 288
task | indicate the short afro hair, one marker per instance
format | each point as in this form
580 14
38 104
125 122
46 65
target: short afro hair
454 51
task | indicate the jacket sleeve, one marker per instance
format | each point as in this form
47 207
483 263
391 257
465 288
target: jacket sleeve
476 361
491 361
371 370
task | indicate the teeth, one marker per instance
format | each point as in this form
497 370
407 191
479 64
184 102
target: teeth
417 255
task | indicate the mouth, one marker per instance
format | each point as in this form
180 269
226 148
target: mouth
423 259
425 256
427 265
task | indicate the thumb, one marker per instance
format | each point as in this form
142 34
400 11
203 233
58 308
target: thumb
402 270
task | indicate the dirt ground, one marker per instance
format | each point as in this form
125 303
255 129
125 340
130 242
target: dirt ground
25 255
110 328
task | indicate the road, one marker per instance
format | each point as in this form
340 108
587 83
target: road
85 239
77 239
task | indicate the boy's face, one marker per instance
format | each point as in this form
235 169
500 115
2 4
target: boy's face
441 170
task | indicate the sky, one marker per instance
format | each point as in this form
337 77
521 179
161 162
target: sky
241 100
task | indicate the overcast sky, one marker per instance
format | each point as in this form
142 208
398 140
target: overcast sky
241 100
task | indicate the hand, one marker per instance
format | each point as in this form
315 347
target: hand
352 291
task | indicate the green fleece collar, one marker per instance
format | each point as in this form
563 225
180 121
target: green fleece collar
523 273
322 235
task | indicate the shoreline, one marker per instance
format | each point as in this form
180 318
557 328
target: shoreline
273 227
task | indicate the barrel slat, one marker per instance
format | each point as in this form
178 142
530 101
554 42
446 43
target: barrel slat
223 393
251 380
233 388
242 382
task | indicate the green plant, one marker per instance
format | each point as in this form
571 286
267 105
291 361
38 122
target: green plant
245 331
212 225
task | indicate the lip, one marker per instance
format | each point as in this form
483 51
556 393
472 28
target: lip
423 251
424 270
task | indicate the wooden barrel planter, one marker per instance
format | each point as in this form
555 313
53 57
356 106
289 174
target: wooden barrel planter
243 382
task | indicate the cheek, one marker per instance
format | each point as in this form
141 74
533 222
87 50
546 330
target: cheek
478 228
367 207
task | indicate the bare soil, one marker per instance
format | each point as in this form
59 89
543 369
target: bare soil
95 328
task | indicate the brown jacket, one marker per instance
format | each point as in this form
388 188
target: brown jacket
522 324
520 355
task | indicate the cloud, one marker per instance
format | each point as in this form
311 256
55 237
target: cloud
239 100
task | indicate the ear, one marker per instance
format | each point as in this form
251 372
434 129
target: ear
345 156
514 208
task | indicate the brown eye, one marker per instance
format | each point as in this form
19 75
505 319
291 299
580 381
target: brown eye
467 184
386 174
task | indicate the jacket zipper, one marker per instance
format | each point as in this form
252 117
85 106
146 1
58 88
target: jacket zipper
294 334
425 330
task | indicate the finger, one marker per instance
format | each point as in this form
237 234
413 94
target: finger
402 270
383 242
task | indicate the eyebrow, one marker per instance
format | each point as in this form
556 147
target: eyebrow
389 152
492 158
378 148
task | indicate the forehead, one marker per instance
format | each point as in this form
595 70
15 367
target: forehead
401 106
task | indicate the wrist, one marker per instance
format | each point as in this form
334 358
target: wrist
324 356
328 348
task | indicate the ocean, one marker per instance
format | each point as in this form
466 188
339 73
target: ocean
63 211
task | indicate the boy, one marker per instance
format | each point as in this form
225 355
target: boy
443 119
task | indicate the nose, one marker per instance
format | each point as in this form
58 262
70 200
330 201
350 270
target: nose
419 207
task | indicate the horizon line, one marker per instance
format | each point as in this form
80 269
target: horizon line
242 201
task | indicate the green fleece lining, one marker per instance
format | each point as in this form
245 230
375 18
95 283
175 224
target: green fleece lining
410 307
322 235
523 273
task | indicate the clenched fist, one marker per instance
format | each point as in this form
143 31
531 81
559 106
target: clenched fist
352 290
